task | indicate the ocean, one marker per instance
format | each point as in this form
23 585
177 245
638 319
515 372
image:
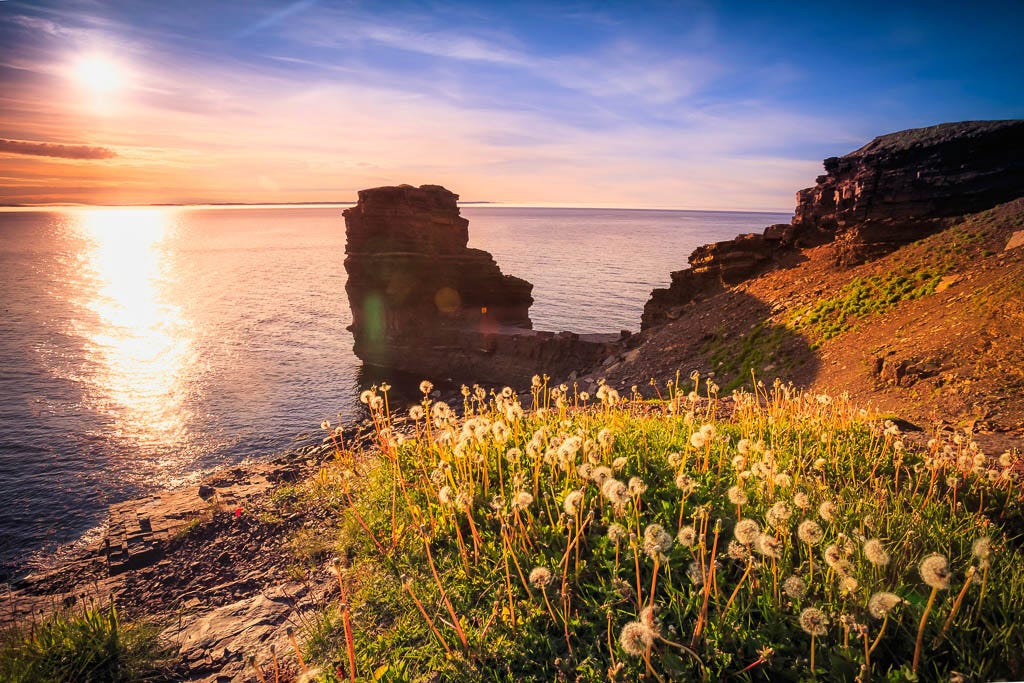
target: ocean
141 348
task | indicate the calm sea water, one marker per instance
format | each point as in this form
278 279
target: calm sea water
140 348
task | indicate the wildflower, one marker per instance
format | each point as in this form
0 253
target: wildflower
739 462
687 536
801 500
535 381
827 511
685 483
365 396
747 531
819 464
649 621
982 549
880 604
697 440
810 532
656 540
832 555
783 481
675 458
584 396
636 486
737 496
875 553
615 491
737 551
541 577
426 387
635 639
444 495
814 621
935 571
619 463
500 432
601 474
523 500
769 546
848 585
325 425
778 514
794 587
743 446
416 413
617 533
376 403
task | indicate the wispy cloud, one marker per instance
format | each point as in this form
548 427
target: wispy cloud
51 149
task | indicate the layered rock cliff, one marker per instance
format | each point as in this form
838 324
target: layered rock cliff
895 190
423 302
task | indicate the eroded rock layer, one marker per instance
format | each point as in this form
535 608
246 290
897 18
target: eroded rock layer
423 302
895 190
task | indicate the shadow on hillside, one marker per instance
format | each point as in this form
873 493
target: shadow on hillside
737 338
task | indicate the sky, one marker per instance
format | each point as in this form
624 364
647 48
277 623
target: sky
697 105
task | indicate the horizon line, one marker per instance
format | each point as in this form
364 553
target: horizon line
314 205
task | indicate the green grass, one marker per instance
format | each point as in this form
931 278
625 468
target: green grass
442 536
863 297
79 644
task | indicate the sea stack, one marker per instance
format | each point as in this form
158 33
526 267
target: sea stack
424 303
413 282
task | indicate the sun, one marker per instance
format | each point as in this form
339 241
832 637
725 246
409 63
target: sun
98 75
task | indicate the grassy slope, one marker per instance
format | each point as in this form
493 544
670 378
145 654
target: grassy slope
441 538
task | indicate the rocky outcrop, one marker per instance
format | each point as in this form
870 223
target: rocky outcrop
423 302
896 189
899 187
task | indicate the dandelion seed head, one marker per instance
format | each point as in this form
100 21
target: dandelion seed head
635 639
810 532
524 499
572 502
783 481
615 491
747 531
685 483
541 577
768 545
737 550
636 486
601 475
416 413
934 571
687 536
619 463
426 387
794 587
882 603
814 621
875 552
695 573
617 533
827 511
657 541
801 500
743 447
848 585
697 440
982 548
736 495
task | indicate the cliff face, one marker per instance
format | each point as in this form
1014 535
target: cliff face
895 190
423 302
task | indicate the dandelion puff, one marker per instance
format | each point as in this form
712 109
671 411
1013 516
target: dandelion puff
325 425
697 440
695 573
737 551
810 532
794 587
783 481
848 585
365 396
685 483
769 546
523 500
426 387
649 621
875 553
636 487
743 447
935 571
801 500
657 541
687 536
814 621
617 533
619 463
982 549
737 496
572 502
880 604
827 511
601 475
615 491
416 413
635 639
541 577
747 531
604 438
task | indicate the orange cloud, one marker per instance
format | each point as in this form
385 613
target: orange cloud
51 149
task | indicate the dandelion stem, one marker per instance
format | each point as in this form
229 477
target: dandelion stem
920 629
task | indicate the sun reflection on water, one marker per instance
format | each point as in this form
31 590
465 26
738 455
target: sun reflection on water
140 343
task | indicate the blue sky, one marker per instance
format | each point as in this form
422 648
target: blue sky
675 104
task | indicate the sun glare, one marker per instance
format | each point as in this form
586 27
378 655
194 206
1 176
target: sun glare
98 75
